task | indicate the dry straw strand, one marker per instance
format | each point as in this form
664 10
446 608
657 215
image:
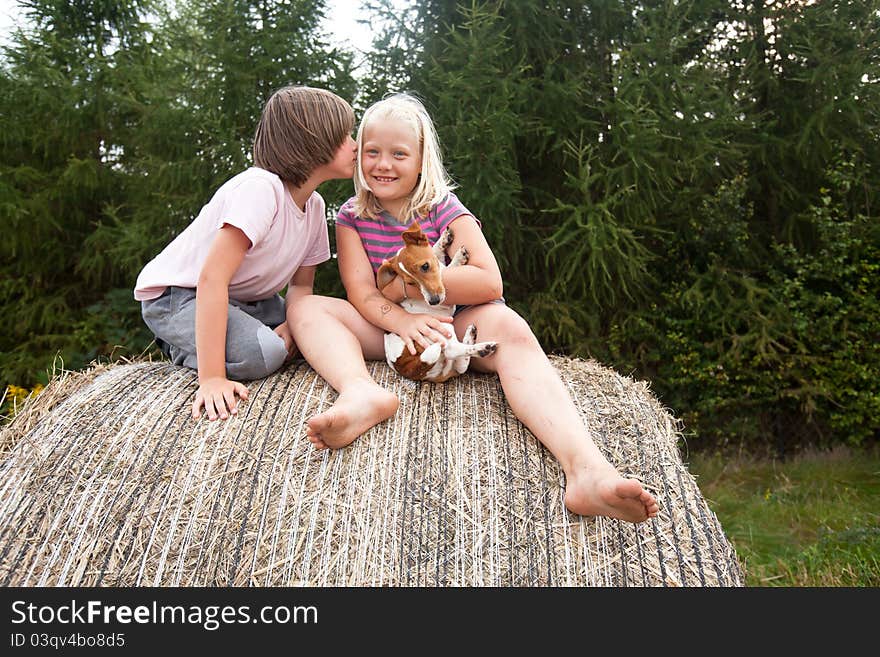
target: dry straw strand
105 480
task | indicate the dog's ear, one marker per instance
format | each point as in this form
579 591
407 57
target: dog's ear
414 235
385 275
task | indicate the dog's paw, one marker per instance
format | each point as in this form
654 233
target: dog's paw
470 334
444 241
432 354
488 349
461 257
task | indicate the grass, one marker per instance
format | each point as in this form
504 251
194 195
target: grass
813 520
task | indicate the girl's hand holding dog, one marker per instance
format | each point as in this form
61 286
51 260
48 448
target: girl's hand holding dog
423 329
217 394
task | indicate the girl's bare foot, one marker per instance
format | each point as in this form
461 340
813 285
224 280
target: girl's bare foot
606 493
360 406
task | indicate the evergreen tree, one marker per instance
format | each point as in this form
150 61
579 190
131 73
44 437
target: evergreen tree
65 87
571 128
219 62
685 190
648 174
115 131
766 334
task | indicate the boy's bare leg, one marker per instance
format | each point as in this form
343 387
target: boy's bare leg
538 397
334 339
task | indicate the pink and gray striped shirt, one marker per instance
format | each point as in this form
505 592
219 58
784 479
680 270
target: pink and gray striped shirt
382 237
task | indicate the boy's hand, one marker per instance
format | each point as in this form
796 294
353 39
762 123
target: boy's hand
424 330
283 332
217 395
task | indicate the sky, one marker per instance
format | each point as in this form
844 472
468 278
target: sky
341 22
8 13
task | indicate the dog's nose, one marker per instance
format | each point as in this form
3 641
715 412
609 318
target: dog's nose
434 299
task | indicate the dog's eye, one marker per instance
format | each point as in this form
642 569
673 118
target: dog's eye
426 267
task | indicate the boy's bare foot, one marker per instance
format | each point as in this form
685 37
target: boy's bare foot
359 407
606 493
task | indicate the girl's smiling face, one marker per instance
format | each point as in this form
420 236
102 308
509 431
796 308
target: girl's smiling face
391 162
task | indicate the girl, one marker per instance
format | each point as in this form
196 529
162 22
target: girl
400 177
211 296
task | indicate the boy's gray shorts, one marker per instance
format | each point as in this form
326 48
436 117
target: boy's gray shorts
253 349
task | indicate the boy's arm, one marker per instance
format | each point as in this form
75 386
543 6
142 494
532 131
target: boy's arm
301 284
215 391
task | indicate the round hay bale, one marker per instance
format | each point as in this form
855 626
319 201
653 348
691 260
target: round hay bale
113 484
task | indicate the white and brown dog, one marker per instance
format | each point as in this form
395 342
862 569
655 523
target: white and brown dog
419 263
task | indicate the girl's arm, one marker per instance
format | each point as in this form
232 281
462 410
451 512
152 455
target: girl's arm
360 288
479 281
216 393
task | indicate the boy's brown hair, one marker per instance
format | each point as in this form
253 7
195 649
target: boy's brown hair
300 129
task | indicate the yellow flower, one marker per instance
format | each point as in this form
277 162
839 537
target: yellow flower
16 395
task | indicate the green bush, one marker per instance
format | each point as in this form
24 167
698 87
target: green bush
785 348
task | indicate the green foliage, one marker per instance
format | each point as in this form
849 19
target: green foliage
111 327
780 348
59 168
685 190
479 130
593 255
649 176
808 521
129 128
833 297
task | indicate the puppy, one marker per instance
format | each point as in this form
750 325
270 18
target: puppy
419 263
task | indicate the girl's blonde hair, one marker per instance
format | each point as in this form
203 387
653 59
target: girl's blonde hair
300 129
433 183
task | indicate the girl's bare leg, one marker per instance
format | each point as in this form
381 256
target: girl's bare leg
538 397
334 339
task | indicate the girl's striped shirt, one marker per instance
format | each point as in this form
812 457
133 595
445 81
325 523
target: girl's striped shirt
382 237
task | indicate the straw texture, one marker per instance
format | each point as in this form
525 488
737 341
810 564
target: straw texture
105 480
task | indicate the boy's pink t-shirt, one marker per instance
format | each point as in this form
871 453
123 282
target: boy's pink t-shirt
283 238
